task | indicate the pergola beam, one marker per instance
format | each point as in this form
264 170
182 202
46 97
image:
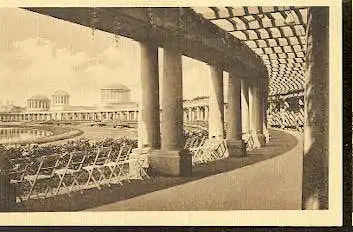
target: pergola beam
280 28
280 41
179 28
260 9
285 55
301 41
280 49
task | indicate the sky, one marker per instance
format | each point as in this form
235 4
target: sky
41 54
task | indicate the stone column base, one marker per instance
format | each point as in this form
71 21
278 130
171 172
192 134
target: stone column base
236 148
258 139
170 163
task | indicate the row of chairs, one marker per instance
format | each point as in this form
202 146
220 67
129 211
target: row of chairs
209 150
287 119
193 142
55 174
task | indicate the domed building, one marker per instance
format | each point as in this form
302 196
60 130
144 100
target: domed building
60 100
115 93
38 103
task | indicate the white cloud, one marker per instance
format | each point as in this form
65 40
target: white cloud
38 66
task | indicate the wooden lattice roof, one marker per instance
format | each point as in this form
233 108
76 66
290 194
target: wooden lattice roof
276 34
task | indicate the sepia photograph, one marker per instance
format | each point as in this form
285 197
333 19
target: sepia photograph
168 109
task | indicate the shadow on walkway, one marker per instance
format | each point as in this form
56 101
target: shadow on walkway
281 142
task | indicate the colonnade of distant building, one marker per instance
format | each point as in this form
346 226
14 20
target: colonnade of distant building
122 115
191 113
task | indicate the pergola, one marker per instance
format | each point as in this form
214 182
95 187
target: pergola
276 34
228 39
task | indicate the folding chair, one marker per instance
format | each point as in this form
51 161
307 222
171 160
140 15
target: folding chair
44 171
142 165
117 167
196 146
138 166
93 170
104 169
80 176
200 151
250 143
211 152
188 142
219 151
66 173
193 142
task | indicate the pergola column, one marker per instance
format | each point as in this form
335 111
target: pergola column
256 111
206 113
234 133
316 128
148 117
245 108
190 114
203 118
171 160
216 104
265 106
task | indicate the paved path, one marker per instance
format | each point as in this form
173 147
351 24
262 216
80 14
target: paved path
271 184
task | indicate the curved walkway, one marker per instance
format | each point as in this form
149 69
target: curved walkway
274 183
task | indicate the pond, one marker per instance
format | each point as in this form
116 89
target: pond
10 135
